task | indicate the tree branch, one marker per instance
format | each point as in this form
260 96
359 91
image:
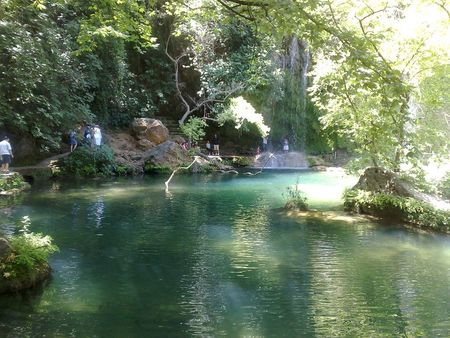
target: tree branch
232 9
173 173
422 43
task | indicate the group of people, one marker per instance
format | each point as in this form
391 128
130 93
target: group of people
5 154
214 148
92 136
284 144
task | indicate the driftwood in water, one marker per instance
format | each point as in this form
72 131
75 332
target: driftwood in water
173 173
260 171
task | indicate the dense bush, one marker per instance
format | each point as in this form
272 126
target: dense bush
404 209
30 252
89 162
241 161
12 182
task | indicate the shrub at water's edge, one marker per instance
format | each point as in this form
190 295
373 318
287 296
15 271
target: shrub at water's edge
405 209
23 259
12 184
90 162
296 200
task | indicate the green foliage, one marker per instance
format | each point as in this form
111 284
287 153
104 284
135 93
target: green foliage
241 161
240 112
404 209
194 129
373 88
30 252
444 187
89 162
157 169
43 89
296 199
124 170
12 182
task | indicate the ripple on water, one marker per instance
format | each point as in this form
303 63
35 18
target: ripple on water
214 258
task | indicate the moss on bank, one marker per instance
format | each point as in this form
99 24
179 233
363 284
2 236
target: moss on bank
404 209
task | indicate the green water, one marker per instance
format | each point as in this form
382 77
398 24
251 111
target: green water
214 257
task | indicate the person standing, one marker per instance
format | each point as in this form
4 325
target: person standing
87 137
264 143
6 154
216 144
73 140
208 147
286 145
97 135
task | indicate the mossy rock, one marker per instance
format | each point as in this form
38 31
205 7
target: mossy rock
12 184
398 208
26 281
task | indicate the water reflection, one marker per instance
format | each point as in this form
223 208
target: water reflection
215 258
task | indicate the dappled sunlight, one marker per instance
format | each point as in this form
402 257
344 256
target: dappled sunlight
219 256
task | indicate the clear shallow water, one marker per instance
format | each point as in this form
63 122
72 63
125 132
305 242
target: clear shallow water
215 258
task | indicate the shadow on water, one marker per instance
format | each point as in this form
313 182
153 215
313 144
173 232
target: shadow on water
216 257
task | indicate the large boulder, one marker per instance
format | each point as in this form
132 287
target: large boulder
165 157
127 151
385 181
379 180
149 129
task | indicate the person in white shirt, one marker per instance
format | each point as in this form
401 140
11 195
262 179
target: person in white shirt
6 154
97 136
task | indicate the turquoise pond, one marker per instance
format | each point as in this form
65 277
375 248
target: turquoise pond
215 257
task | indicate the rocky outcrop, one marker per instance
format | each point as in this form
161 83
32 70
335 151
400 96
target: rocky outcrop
149 132
385 181
382 193
381 180
37 276
165 157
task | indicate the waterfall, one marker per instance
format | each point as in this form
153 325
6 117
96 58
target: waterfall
290 160
295 62
305 57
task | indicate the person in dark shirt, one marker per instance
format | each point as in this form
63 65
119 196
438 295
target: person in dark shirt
216 144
